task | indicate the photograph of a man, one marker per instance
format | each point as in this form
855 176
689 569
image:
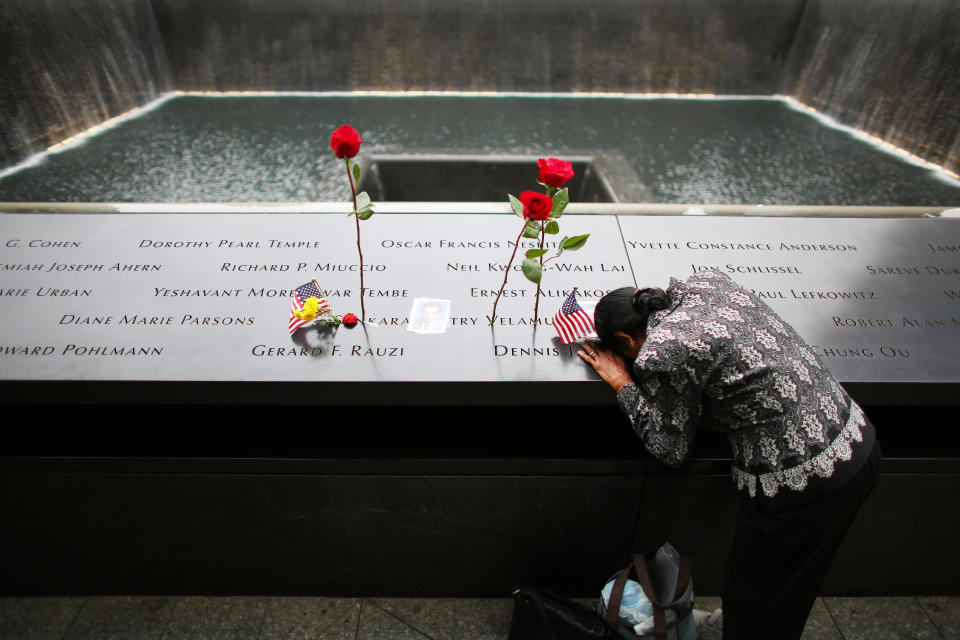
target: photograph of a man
428 315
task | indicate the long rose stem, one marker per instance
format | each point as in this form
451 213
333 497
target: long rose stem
536 302
356 214
506 273
543 236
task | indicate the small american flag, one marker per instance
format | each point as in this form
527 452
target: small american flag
571 321
304 291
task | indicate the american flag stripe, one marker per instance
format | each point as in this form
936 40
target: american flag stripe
571 321
564 331
572 328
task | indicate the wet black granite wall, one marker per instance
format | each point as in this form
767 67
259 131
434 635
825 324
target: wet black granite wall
889 67
400 506
68 65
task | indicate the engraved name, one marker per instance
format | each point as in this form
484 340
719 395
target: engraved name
329 266
834 295
912 271
562 267
22 350
45 244
698 245
501 350
477 292
111 350
886 351
745 268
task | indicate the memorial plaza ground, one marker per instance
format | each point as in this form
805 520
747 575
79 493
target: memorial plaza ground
302 618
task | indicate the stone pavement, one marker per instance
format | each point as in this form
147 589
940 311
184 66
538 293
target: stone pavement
305 618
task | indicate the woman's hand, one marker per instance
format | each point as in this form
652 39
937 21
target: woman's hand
609 365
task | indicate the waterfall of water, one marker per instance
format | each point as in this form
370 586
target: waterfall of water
71 64
887 67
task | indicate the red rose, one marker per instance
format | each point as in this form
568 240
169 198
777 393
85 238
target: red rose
345 142
536 205
554 172
350 320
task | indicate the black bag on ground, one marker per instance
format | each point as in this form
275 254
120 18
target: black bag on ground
663 575
540 614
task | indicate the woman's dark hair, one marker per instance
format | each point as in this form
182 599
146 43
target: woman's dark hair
626 309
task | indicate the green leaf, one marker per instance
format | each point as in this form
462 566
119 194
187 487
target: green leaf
532 230
532 270
560 201
363 202
516 205
356 173
364 206
535 253
552 227
574 243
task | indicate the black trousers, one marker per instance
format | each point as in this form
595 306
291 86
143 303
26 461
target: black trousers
781 553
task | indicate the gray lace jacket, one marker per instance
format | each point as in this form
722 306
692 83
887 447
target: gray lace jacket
719 357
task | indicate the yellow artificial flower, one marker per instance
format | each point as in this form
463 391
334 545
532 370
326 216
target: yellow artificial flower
310 310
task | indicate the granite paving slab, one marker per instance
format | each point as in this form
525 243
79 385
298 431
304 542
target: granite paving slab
897 618
376 623
297 618
820 624
944 611
432 617
482 618
216 618
310 618
122 618
37 618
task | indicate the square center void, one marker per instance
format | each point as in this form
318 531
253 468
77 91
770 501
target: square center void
447 178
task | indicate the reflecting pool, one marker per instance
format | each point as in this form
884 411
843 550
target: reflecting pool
192 148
